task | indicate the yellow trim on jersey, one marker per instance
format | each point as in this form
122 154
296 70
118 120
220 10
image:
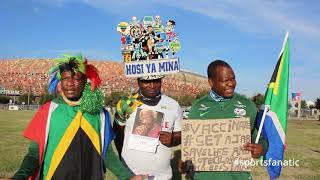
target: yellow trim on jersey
64 144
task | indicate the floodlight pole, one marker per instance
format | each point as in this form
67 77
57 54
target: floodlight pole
29 97
299 108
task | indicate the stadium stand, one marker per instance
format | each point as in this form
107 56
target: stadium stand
22 74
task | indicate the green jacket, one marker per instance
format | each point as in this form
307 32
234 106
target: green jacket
207 108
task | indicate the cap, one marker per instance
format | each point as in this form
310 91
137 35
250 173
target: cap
151 77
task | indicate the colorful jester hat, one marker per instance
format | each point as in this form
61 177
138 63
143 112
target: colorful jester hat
82 66
92 98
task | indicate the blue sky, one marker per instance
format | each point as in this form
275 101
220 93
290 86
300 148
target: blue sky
246 33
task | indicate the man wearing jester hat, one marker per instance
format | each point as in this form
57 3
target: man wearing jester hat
149 97
71 134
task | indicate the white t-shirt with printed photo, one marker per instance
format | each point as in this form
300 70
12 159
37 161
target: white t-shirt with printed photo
154 164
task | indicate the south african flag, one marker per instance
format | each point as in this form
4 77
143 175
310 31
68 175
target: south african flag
72 143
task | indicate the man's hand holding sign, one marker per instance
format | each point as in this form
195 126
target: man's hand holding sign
255 149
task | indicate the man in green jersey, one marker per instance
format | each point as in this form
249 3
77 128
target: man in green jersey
222 102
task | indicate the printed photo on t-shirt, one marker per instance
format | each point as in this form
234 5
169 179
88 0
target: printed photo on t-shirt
147 123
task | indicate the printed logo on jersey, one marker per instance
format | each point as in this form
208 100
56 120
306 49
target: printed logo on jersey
203 107
239 112
239 105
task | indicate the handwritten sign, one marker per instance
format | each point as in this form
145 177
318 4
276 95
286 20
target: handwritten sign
217 144
151 67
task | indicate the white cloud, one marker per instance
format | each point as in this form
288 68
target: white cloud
249 15
254 15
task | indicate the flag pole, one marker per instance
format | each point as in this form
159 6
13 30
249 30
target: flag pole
266 108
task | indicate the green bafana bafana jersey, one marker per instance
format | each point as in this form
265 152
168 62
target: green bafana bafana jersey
237 106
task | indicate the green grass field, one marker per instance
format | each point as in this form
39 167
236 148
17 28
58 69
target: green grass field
303 144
